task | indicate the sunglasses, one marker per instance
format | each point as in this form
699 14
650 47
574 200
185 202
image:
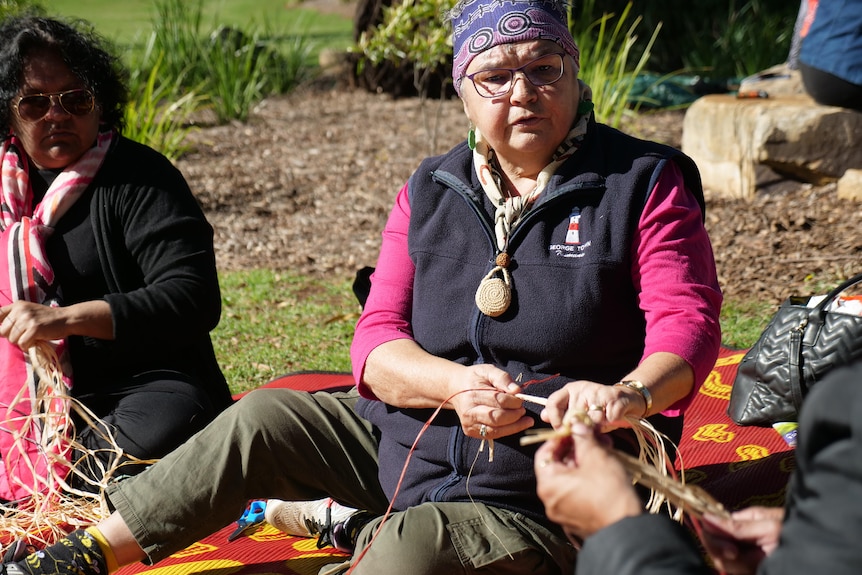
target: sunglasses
32 108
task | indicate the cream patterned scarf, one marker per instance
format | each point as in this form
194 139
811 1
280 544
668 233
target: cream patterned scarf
494 294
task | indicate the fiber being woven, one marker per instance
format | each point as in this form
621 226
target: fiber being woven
39 440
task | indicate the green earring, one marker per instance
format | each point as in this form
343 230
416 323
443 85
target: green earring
584 107
471 139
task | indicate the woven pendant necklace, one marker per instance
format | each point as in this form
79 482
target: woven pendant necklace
494 294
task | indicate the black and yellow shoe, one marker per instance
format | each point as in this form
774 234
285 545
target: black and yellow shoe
76 554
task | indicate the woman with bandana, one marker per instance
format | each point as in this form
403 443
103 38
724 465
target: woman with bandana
107 264
547 254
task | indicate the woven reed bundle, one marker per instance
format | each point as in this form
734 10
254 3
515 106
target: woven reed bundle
53 507
652 469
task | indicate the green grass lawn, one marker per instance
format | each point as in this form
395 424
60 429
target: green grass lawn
122 22
129 23
274 323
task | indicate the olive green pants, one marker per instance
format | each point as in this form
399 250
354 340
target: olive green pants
284 444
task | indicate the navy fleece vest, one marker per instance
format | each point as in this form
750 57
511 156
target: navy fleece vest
574 311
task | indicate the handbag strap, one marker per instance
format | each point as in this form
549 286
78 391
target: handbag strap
795 360
821 307
817 315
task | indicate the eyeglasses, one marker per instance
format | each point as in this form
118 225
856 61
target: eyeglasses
496 82
34 107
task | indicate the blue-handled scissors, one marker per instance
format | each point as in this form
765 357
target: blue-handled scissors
251 517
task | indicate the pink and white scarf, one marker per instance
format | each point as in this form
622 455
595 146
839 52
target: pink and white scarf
34 413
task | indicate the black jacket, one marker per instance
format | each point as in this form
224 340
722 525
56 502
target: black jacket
138 239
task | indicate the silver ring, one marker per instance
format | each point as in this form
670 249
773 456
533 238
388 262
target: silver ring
483 430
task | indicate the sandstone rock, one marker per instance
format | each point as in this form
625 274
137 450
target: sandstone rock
730 138
850 185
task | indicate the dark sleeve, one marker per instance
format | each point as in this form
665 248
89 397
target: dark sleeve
823 521
643 545
157 249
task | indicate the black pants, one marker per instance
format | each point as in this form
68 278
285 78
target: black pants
147 419
830 90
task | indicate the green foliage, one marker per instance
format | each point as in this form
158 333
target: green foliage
159 112
180 68
742 322
237 76
14 7
242 70
410 31
754 38
233 67
293 64
717 38
275 323
177 38
605 65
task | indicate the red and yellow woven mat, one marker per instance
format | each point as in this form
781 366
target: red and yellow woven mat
262 551
739 466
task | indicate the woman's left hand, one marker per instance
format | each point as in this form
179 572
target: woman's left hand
608 406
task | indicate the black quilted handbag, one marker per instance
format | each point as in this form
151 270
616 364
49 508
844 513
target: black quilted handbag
796 349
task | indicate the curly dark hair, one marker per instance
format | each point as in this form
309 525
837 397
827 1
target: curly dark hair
81 49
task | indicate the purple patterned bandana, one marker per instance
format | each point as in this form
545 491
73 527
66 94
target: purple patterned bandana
478 25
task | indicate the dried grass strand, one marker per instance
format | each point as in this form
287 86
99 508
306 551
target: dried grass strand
53 507
652 469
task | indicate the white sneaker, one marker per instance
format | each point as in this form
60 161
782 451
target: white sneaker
305 518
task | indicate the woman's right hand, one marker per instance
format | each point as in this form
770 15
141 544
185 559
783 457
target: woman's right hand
26 323
399 372
483 397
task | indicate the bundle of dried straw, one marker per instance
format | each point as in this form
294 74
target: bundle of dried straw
53 507
652 469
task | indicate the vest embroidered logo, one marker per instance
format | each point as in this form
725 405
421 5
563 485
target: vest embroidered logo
574 245
573 236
